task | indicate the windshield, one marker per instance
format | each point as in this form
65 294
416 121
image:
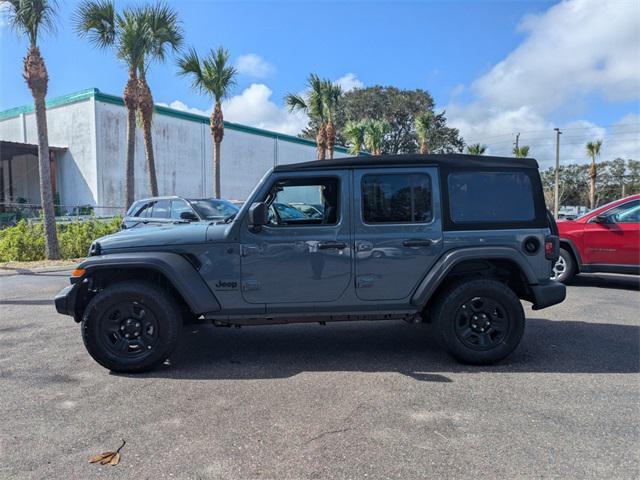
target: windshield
287 212
214 209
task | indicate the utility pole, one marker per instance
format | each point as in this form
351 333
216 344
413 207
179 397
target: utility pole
556 188
516 143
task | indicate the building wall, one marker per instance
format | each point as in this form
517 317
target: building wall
184 156
92 126
70 126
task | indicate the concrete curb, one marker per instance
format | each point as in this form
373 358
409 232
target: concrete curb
10 271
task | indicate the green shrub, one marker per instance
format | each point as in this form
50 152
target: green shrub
25 241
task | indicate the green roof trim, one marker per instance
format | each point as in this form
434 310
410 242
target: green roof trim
116 100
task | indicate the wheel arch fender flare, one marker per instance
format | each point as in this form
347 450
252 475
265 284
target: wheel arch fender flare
566 242
178 271
446 263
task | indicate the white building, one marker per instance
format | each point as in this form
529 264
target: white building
88 131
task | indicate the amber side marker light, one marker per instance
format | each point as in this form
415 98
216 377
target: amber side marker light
78 272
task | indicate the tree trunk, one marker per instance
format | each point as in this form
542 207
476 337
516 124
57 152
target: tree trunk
592 184
145 107
35 74
330 134
424 147
217 132
321 145
131 103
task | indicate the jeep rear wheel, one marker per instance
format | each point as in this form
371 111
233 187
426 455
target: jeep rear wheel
479 321
131 326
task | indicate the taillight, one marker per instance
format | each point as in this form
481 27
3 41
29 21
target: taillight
551 247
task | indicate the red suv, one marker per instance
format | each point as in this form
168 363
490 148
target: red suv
606 239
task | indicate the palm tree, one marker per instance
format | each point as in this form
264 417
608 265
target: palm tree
374 133
521 152
163 30
213 76
32 18
127 34
424 130
354 133
331 98
476 149
593 150
313 103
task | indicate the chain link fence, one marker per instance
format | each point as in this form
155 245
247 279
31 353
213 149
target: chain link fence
12 212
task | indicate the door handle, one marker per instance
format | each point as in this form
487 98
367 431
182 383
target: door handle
331 245
418 242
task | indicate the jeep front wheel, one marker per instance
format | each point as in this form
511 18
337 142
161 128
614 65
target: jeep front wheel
479 321
131 326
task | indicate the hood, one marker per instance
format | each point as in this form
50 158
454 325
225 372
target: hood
155 236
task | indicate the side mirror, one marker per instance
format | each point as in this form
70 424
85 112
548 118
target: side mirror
602 219
258 216
189 216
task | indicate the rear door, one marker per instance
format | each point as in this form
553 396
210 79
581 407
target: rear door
398 230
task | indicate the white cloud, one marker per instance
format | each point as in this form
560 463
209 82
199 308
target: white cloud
254 66
254 107
574 50
179 105
349 82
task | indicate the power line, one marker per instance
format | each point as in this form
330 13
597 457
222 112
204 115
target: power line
616 125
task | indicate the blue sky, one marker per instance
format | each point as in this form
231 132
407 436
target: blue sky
452 49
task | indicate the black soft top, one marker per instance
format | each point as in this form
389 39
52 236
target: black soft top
448 160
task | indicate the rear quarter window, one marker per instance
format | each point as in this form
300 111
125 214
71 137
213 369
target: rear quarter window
490 197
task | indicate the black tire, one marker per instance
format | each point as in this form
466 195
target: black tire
145 313
565 268
458 318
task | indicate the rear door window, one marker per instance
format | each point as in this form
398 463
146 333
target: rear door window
396 198
179 206
161 209
491 197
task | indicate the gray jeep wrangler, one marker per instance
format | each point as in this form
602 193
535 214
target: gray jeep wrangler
453 240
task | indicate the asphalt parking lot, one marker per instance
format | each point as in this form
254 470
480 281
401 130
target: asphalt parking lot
358 400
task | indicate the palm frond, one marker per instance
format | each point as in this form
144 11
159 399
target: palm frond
424 125
374 133
331 94
164 29
218 76
133 38
476 149
593 148
189 65
295 102
354 133
96 21
32 17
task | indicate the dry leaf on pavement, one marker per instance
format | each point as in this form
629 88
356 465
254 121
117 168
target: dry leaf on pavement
110 458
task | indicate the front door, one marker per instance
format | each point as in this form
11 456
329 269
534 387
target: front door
616 242
304 254
398 230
